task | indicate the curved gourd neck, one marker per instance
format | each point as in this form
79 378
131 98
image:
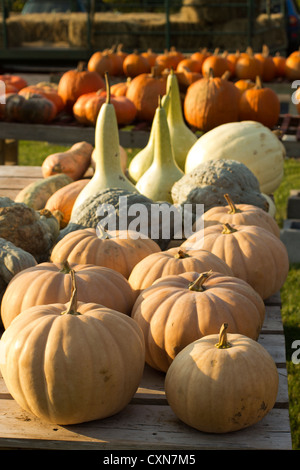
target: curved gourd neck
174 105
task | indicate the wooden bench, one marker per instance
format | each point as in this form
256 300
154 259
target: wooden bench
147 422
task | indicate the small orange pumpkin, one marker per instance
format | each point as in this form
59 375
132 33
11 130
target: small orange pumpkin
217 63
248 66
135 64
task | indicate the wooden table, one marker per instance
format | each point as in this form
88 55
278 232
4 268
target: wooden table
147 422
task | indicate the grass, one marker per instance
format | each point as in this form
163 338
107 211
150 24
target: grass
33 153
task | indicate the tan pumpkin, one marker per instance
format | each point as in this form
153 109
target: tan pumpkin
240 214
222 383
74 162
77 361
175 260
253 253
179 309
49 283
120 250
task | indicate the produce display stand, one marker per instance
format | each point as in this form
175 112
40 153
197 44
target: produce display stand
147 422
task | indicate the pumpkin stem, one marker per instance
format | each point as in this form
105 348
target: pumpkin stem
72 308
228 229
198 284
181 254
66 268
233 209
258 83
107 87
223 343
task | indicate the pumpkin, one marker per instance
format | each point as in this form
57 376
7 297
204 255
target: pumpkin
13 260
44 90
253 253
125 109
37 193
200 55
210 102
144 91
126 206
120 88
34 108
292 66
207 183
215 62
80 382
179 309
151 56
232 59
49 283
244 84
279 62
135 64
189 63
169 59
222 383
15 80
248 142
78 108
174 260
248 66
119 59
260 104
240 214
74 162
120 250
33 231
103 61
62 200
74 83
268 72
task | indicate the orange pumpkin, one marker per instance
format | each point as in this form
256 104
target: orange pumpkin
279 62
51 283
125 109
191 64
120 88
74 83
260 104
144 91
174 261
244 84
73 162
268 72
79 106
200 55
150 56
210 102
103 61
253 253
217 63
61 202
120 251
179 309
135 64
232 59
15 80
247 66
292 66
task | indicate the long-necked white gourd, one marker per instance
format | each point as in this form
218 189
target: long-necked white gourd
157 181
108 171
182 137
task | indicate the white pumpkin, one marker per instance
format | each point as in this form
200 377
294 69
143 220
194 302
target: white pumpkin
248 142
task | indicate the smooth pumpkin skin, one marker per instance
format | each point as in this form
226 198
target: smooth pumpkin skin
172 316
253 253
69 369
87 247
174 261
241 214
222 390
49 283
74 162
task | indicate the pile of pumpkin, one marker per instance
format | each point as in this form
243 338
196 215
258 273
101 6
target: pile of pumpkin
80 325
216 88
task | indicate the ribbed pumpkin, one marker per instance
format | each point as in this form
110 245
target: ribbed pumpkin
45 90
120 250
49 283
260 104
74 83
210 102
63 200
144 91
135 64
240 214
253 253
217 63
33 108
74 362
177 310
247 66
174 261
124 107
222 383
103 61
